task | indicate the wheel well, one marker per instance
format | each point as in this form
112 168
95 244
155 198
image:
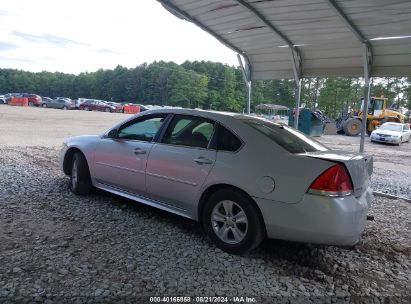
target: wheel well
212 189
68 158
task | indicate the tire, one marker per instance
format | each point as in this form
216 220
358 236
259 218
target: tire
399 144
86 109
64 108
44 105
107 110
31 104
248 234
80 181
352 127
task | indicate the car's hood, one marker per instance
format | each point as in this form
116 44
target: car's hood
387 132
360 166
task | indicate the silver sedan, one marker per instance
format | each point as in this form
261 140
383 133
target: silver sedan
242 177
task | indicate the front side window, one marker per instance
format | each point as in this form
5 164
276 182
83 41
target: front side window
291 140
143 130
190 131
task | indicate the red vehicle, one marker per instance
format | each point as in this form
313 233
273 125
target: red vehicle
34 100
96 105
118 106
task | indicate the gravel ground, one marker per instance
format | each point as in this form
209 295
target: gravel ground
57 247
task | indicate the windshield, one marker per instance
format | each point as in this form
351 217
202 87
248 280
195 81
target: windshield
391 127
288 138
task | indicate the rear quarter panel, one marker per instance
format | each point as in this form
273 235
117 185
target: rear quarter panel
259 158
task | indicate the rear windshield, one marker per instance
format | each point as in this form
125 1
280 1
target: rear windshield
291 140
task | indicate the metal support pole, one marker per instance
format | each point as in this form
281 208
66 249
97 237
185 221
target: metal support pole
298 100
247 79
366 95
249 97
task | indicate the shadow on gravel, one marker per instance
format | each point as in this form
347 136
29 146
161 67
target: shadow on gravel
185 224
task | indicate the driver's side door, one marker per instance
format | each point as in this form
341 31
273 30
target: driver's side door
120 162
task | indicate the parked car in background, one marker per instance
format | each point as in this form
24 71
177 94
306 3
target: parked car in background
211 167
45 100
61 103
96 105
9 96
3 99
392 133
33 99
118 106
79 101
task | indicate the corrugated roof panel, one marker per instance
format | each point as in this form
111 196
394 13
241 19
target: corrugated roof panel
328 46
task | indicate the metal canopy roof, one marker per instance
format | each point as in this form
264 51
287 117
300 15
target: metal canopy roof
308 38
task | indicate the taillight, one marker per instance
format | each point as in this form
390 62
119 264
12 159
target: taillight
335 181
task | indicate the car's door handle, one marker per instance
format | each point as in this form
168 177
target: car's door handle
202 161
138 151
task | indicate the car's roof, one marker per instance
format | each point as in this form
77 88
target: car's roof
209 113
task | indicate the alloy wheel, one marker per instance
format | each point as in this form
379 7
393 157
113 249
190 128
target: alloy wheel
229 221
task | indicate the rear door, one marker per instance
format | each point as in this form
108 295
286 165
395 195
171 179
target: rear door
120 162
179 165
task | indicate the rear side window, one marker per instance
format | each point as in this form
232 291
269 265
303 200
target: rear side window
227 141
291 140
190 131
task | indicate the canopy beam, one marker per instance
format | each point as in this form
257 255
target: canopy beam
348 22
296 59
367 75
184 15
247 79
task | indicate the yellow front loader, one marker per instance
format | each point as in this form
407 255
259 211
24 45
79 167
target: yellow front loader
378 113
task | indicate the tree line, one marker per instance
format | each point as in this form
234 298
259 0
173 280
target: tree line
201 84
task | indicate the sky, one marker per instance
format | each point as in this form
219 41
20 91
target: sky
85 35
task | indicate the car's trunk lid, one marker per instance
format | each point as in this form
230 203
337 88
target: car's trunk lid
359 166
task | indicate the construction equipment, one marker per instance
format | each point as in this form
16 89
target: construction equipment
349 123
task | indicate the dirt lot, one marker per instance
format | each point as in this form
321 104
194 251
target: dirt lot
57 247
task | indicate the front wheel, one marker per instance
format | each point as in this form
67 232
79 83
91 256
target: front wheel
80 175
352 127
64 108
108 110
233 222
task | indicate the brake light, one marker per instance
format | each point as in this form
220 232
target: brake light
335 181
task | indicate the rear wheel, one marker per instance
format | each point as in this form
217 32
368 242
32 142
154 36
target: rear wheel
64 108
31 104
352 127
80 175
87 109
44 105
233 222
108 110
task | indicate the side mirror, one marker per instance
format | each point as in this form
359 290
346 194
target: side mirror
112 133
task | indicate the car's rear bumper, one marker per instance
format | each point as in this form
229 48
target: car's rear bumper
317 219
